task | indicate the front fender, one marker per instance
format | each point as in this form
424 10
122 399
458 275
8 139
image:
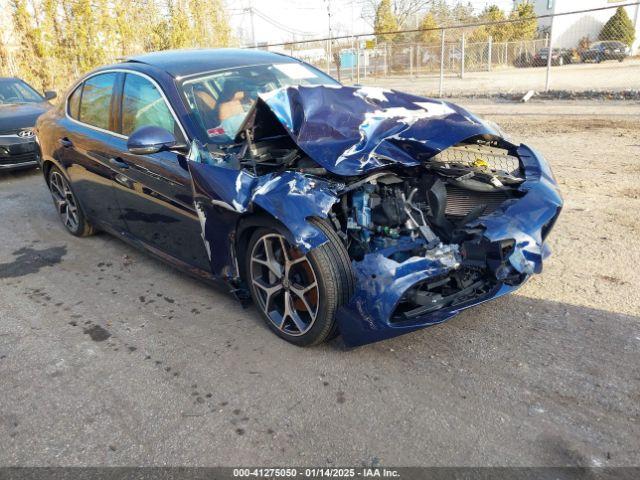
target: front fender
223 195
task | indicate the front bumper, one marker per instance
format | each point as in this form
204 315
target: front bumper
17 152
381 282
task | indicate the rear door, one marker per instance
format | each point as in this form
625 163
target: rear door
155 191
86 147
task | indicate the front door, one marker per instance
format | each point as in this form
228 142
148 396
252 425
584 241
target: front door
154 191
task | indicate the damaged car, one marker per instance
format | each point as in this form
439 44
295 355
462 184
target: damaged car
357 211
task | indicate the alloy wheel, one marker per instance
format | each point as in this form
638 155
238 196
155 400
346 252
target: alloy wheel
64 201
285 284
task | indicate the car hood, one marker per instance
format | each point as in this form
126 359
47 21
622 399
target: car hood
350 131
14 116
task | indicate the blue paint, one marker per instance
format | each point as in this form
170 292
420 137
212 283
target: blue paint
350 132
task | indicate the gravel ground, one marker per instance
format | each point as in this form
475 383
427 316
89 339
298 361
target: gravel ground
108 357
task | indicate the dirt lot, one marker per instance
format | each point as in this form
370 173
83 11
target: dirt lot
109 357
607 76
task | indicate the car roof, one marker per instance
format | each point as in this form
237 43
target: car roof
181 63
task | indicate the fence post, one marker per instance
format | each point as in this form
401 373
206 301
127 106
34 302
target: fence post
411 61
442 45
462 55
490 52
547 85
365 57
358 63
327 57
386 60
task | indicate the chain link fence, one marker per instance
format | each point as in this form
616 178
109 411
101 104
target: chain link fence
584 51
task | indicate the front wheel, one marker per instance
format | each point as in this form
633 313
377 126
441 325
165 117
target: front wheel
298 294
67 205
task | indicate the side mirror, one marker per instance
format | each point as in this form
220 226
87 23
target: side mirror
149 140
50 95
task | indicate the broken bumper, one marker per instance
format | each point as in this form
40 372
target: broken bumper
381 283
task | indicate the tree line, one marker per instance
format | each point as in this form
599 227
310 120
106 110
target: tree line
55 41
440 14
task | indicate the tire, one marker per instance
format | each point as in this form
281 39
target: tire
67 205
298 297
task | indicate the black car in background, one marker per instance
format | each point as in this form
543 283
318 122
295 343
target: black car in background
609 50
559 57
20 106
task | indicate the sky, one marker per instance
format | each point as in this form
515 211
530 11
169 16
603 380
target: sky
295 18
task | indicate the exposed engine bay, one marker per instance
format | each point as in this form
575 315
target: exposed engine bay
420 212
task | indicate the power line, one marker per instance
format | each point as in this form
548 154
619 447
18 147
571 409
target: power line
452 27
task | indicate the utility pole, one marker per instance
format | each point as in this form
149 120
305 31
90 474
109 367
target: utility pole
635 27
253 27
330 35
547 85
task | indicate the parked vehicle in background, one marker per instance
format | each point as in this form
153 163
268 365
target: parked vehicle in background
20 106
602 51
559 57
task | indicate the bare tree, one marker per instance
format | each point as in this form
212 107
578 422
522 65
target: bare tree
402 9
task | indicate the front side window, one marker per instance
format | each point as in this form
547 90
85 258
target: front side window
95 107
17 91
222 100
143 105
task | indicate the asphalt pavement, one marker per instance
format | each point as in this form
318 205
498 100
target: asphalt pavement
109 357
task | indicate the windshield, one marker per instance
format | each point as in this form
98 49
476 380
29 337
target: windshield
17 91
222 100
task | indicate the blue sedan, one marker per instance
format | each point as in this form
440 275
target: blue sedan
363 212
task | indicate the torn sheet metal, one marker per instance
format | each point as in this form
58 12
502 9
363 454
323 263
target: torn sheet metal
350 130
289 197
382 282
526 219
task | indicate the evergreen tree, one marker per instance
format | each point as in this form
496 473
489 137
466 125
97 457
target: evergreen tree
429 36
385 21
527 25
619 27
500 32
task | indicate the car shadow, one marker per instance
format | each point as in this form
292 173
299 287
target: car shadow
19 174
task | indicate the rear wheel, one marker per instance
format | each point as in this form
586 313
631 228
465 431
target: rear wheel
298 294
67 205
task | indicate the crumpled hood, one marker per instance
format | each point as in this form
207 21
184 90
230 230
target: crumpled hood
350 131
14 116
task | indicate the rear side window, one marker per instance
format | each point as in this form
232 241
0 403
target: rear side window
143 105
95 107
73 104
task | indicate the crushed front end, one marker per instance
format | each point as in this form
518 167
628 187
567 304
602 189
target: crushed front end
436 209
466 227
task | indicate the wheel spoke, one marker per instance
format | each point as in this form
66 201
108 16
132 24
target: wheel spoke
60 205
269 290
293 314
300 294
270 260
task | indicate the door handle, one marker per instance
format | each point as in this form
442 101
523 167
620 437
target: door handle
65 142
118 163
